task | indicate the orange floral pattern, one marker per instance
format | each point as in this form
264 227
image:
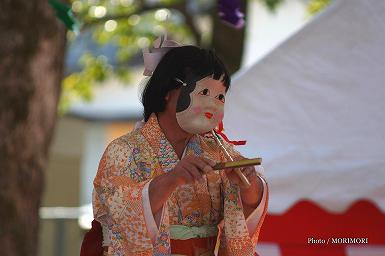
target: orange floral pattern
131 161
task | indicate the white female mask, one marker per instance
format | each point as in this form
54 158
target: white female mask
200 106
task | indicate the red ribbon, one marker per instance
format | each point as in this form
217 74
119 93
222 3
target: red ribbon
220 132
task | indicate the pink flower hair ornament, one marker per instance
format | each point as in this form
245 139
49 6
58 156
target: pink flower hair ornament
152 56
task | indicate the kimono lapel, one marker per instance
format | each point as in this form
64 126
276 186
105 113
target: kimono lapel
162 148
233 233
166 158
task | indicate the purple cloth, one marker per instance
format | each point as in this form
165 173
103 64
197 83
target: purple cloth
229 11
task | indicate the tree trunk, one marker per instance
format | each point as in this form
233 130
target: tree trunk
32 45
228 42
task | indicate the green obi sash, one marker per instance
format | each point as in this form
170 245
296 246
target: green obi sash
180 232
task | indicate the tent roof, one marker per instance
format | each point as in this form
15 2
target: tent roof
313 109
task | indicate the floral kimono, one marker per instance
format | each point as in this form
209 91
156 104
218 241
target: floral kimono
121 200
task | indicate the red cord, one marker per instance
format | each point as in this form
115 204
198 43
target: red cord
220 132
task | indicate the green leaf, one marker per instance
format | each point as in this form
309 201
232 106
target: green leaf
315 6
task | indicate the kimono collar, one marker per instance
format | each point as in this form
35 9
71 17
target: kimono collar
157 139
153 133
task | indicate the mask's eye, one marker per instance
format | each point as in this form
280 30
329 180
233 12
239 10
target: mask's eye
221 97
204 92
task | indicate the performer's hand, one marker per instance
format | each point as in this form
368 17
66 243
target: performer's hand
191 168
248 171
252 195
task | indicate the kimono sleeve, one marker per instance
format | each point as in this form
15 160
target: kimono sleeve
118 198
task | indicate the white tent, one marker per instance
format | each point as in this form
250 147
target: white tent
313 109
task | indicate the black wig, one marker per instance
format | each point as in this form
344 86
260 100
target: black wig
179 62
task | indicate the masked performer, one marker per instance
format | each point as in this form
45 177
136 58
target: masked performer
155 192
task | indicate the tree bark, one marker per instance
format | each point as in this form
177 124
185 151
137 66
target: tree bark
228 42
32 45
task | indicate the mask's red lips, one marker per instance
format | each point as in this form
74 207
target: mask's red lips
208 115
